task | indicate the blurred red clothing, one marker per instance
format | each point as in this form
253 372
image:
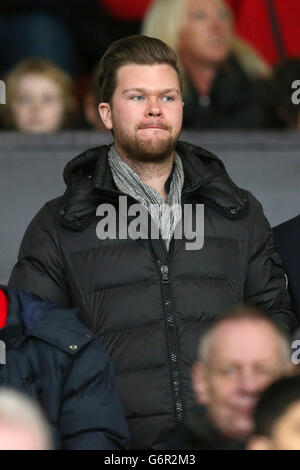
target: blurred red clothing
253 24
126 10
3 309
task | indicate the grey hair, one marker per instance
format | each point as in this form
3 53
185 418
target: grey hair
239 314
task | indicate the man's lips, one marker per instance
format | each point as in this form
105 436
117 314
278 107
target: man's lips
246 408
155 126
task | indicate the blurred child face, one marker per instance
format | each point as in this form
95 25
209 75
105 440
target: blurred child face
207 33
285 434
37 105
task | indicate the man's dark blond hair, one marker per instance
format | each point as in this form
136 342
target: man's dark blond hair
139 50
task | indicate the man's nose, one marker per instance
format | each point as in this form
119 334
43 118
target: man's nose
154 108
251 382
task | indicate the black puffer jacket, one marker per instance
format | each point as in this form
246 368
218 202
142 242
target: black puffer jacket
148 322
56 360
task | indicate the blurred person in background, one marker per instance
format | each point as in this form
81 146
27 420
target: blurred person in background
55 360
238 356
22 423
223 75
284 94
277 417
37 28
39 98
116 19
91 101
71 35
271 26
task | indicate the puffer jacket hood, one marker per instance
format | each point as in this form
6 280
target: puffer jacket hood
89 182
29 316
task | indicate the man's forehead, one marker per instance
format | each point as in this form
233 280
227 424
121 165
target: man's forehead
244 337
142 76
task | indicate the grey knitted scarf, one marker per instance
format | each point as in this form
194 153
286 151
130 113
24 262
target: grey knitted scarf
127 181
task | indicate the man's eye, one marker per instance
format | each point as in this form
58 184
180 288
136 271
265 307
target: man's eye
228 371
263 371
168 98
137 98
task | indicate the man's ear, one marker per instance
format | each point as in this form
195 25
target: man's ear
199 382
105 113
260 443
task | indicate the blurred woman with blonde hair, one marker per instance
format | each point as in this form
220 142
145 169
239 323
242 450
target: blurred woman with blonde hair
223 74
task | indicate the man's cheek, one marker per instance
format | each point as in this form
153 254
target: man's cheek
221 389
179 117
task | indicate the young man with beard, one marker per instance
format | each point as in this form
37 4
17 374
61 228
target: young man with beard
148 298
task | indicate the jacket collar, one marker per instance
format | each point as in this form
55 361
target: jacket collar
203 434
207 178
90 182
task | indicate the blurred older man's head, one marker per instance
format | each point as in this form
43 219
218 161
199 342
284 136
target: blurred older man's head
239 356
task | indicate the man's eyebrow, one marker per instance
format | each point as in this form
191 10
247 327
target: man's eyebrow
143 90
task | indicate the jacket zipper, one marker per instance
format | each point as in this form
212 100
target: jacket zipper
171 329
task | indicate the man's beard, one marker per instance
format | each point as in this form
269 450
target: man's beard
151 150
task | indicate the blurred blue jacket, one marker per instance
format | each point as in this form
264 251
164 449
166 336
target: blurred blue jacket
56 360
